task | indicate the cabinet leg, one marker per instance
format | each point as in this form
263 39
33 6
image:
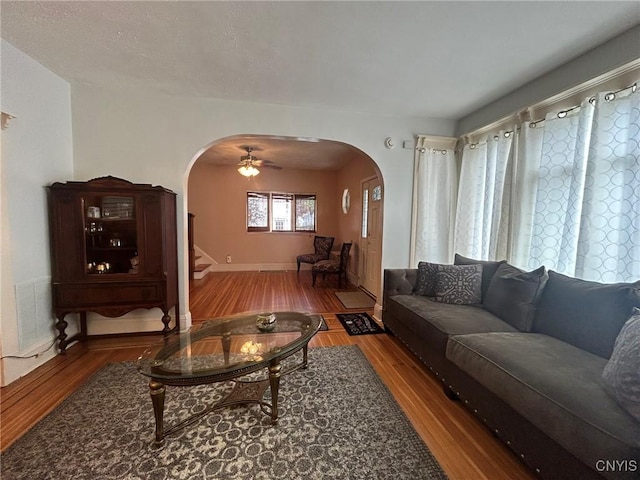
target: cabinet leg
83 325
61 326
157 389
166 318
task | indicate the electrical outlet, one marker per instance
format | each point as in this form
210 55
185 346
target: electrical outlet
228 258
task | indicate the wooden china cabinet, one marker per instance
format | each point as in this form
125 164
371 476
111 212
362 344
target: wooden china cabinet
113 249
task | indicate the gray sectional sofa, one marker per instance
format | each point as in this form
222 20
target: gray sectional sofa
527 360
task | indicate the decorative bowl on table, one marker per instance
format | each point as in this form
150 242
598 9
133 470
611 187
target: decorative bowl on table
266 321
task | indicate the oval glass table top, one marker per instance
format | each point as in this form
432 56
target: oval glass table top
226 347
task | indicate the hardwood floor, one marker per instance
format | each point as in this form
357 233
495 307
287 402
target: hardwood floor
464 448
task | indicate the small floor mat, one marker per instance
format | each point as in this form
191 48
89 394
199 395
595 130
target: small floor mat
355 299
359 323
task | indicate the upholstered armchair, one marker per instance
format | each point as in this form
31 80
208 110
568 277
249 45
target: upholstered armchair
333 267
322 248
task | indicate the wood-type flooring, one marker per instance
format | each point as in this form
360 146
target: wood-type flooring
465 449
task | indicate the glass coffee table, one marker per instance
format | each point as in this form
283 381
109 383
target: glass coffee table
227 349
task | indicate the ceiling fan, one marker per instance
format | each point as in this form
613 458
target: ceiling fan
248 163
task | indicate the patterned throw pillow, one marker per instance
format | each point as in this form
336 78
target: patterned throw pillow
459 284
426 281
621 375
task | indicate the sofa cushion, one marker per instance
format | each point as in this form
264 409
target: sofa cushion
513 295
488 269
548 381
586 314
459 284
426 279
621 375
399 281
434 322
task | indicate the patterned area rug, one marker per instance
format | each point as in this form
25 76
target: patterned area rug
359 323
337 420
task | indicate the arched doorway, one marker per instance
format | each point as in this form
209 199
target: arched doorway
217 195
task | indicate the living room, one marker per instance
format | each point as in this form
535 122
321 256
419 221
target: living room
61 129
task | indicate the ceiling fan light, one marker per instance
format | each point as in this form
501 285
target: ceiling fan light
248 171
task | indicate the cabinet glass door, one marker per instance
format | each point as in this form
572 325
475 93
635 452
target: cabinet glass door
111 236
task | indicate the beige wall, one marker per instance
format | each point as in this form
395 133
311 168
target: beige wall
217 198
349 226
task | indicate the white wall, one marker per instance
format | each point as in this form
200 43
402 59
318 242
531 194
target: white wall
36 151
613 54
153 138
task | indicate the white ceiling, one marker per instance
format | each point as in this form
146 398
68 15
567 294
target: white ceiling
428 59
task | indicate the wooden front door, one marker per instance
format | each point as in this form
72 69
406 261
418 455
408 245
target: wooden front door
371 260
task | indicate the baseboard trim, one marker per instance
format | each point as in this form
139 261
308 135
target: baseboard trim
255 267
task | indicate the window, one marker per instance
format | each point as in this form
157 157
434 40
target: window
257 212
365 212
305 213
281 212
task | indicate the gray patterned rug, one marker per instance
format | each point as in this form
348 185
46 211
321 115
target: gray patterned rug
337 420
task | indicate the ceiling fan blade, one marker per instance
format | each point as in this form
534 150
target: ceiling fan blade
249 160
249 148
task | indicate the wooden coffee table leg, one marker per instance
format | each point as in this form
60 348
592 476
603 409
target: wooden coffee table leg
274 381
157 389
305 356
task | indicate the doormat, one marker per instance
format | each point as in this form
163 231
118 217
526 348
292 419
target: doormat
359 323
355 299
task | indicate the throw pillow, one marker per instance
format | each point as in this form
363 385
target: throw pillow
426 280
586 314
621 375
459 284
488 269
513 294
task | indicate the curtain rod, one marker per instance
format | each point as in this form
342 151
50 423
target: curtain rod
610 96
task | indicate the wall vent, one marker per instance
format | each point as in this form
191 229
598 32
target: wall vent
33 308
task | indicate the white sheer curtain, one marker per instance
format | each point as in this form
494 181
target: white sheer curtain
609 242
561 185
587 209
565 194
528 151
482 215
435 189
